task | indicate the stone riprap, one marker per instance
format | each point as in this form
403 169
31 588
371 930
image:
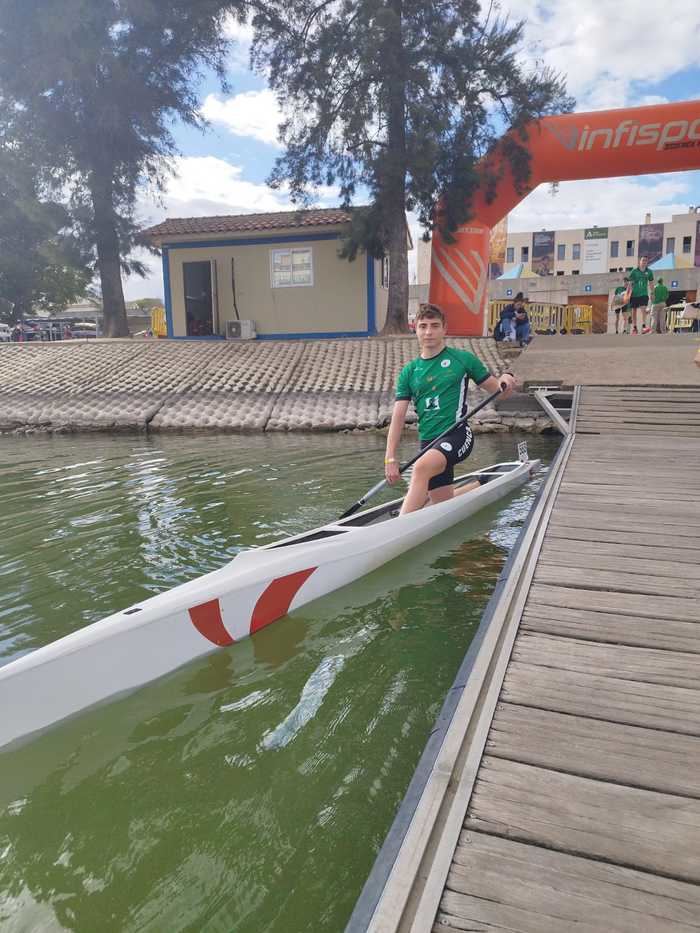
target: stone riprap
156 385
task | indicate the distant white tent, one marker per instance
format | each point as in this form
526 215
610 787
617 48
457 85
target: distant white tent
666 262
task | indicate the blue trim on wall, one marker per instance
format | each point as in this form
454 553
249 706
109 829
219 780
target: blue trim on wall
253 241
210 337
167 293
371 297
316 336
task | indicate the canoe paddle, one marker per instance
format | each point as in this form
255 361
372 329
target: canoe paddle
402 469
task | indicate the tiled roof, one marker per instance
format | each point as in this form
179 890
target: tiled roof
243 223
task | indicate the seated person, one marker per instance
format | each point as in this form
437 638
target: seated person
522 325
508 316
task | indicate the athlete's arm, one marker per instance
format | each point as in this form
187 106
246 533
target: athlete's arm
398 417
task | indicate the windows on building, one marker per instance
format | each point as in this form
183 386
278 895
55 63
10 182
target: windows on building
629 248
510 254
576 251
687 243
561 251
524 254
614 248
289 267
574 272
670 244
560 272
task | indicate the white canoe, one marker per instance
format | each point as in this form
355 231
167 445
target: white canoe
154 637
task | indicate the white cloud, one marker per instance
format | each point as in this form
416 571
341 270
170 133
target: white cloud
241 35
252 113
607 50
604 201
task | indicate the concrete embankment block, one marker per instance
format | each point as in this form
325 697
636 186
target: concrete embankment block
324 385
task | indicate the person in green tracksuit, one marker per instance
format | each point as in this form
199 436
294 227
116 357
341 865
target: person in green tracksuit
436 382
642 280
658 308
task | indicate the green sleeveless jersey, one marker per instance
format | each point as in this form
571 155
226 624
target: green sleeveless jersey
438 388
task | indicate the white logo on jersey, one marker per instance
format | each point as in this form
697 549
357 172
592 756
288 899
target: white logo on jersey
446 446
445 363
432 401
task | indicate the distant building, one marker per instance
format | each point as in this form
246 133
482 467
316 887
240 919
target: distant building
279 270
598 249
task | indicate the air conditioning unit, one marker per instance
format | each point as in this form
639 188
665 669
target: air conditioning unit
240 330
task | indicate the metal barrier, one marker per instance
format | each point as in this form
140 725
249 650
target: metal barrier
548 317
158 324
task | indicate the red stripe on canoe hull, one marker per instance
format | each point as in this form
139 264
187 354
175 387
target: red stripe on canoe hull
206 618
276 599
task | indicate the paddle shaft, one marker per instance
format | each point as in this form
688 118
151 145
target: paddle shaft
458 424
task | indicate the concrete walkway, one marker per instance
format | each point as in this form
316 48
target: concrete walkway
608 359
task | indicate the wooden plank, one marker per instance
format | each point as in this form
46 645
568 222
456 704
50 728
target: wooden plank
624 662
636 491
561 529
622 548
607 751
626 522
661 431
621 564
664 634
637 828
500 884
619 582
685 513
652 421
649 607
654 706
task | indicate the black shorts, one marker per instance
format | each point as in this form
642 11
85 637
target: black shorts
455 447
639 301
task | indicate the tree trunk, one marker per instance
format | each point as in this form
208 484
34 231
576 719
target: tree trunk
108 258
394 180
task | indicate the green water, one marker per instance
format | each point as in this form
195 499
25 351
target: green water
251 790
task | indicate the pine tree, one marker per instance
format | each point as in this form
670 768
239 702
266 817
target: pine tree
42 264
398 99
101 81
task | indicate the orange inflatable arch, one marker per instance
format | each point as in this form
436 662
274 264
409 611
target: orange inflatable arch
604 144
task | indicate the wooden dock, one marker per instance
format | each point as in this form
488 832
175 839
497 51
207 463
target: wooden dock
561 790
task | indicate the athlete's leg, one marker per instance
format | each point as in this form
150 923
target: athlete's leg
430 464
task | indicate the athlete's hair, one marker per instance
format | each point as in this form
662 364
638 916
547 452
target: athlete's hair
430 312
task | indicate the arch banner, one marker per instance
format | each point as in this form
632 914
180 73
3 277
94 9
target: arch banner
569 147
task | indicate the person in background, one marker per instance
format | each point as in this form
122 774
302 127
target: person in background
642 280
620 306
508 315
522 324
658 308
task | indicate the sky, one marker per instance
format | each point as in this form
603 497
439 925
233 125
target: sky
611 54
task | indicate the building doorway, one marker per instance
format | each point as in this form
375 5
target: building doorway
200 297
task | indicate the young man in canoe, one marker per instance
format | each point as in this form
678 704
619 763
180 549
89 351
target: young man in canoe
437 382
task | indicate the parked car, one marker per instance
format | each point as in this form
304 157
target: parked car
5 333
83 329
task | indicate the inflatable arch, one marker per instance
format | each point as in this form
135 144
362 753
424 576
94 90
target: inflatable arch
572 146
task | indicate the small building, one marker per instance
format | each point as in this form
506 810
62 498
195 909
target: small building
280 270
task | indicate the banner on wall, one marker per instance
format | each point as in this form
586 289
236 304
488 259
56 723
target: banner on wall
595 250
497 248
651 241
543 252
697 243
